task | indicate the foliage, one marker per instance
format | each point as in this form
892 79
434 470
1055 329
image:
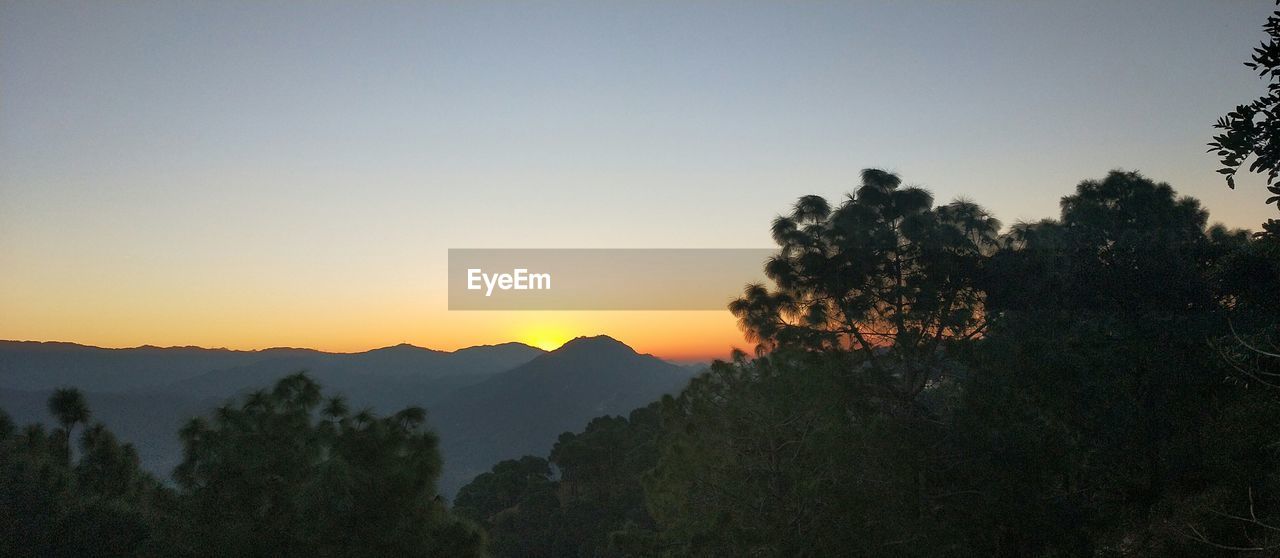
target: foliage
516 501
596 499
51 505
1097 380
1091 417
284 474
885 273
1251 130
288 473
755 462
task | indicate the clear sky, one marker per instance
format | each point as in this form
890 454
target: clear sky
254 174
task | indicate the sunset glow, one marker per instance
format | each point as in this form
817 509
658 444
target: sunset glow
547 338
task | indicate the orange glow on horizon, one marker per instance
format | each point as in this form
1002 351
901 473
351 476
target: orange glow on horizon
673 335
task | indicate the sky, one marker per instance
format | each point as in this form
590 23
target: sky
286 173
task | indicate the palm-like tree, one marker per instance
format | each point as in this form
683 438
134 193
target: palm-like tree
69 407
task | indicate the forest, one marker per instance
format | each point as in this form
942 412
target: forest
1101 384
925 381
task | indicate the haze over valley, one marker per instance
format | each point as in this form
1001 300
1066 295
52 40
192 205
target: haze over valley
487 403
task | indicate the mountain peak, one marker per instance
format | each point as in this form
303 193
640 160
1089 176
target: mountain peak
401 348
594 343
507 345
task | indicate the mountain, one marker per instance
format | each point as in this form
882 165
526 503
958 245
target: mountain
36 366
524 410
146 394
386 379
487 403
30 365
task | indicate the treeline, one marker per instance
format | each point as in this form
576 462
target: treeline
1106 383
285 472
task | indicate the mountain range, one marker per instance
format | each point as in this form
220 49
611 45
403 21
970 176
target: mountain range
487 403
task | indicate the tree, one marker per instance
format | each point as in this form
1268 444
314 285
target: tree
1251 275
1096 383
787 455
1079 414
68 406
504 487
834 439
600 471
597 496
517 503
50 506
280 475
1239 510
885 274
751 462
1251 130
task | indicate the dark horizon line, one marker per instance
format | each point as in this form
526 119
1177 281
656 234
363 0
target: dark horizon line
320 351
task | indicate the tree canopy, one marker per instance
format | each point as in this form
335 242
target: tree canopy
289 473
1251 130
284 473
885 274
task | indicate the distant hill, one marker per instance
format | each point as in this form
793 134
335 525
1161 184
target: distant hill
34 366
524 410
386 379
487 403
28 365
145 394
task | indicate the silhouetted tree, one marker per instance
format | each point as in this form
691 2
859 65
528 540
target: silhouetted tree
600 471
68 406
598 495
50 506
885 274
806 450
280 475
1097 380
1252 130
757 459
517 503
1086 411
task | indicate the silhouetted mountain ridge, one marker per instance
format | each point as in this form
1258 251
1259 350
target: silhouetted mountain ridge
145 394
523 410
36 365
488 402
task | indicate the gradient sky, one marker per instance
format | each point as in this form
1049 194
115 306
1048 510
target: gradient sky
255 174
